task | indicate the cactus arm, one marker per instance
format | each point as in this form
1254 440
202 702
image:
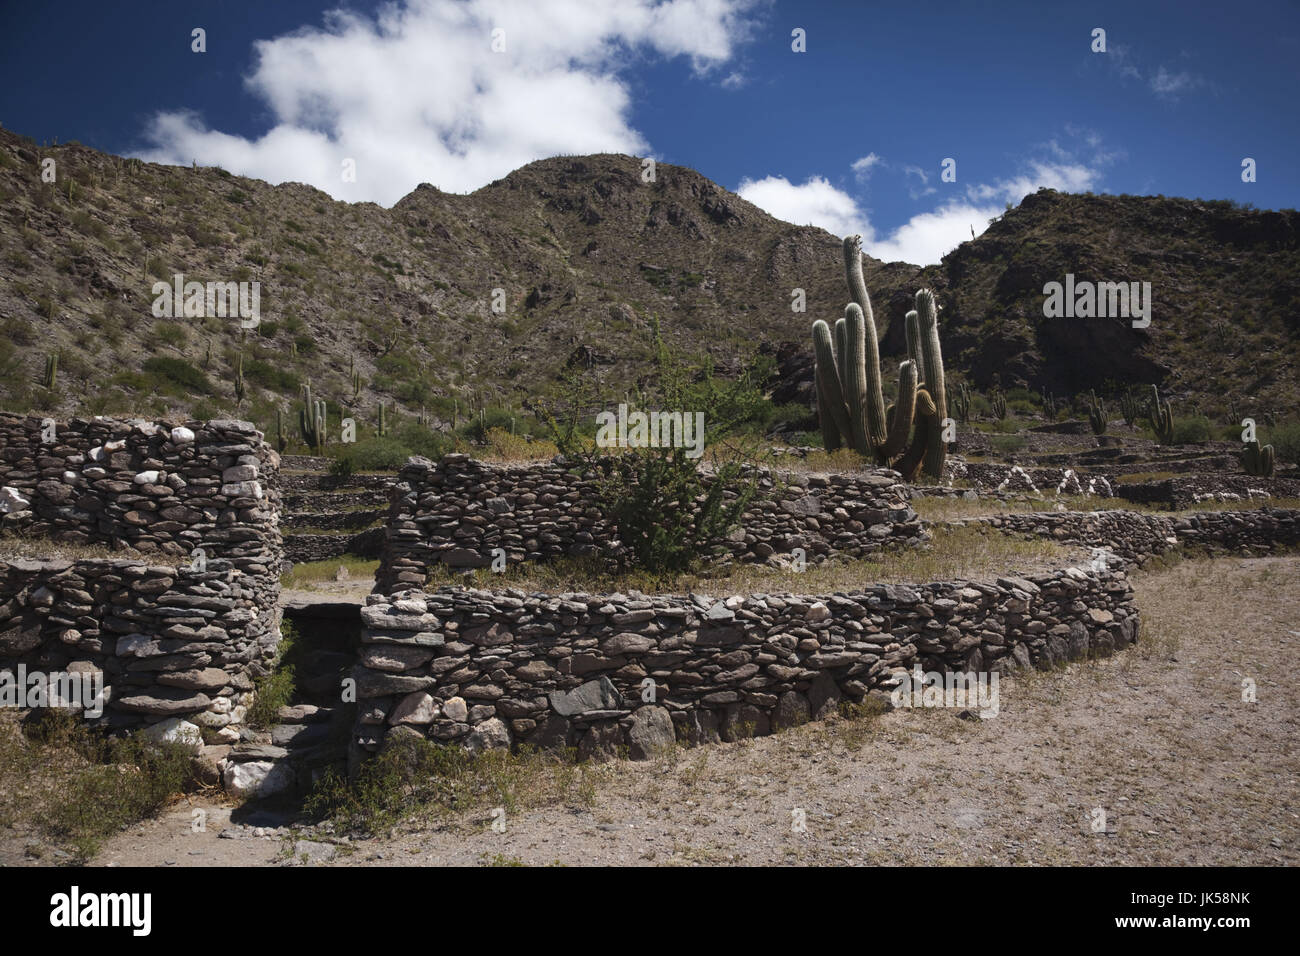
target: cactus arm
858 284
863 392
830 393
903 411
936 388
910 464
913 327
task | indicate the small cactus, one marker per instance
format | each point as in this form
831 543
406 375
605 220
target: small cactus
239 378
51 370
961 402
999 403
1050 406
312 420
1128 407
1097 415
1162 418
383 425
1257 461
281 442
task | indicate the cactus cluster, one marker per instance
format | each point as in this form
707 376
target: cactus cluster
850 400
1050 405
1097 420
1162 418
998 401
961 402
1257 461
312 420
1129 407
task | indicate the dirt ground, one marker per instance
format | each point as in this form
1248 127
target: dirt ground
1158 738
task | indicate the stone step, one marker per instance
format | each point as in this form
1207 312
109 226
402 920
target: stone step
298 736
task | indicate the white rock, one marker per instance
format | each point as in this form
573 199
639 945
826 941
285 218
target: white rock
173 730
69 477
227 735
137 645
146 478
11 500
818 612
182 435
256 778
418 708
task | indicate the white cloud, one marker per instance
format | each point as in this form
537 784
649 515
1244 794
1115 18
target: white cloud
1164 83
417 94
816 203
862 167
927 237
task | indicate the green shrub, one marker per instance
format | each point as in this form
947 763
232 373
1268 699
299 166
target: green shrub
1285 439
276 688
177 372
1193 429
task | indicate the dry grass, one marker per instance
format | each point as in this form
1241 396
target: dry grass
36 549
315 575
973 553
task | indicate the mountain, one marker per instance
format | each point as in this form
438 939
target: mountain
586 255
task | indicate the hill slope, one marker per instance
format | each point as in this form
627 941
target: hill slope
585 254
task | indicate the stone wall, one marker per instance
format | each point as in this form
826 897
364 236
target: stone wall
456 511
182 630
493 669
1136 536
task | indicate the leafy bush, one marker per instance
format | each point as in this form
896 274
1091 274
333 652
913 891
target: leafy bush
276 688
373 454
177 372
1194 428
1285 439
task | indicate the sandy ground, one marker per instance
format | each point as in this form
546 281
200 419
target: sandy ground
1158 738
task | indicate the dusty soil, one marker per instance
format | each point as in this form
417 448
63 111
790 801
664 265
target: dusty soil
1157 737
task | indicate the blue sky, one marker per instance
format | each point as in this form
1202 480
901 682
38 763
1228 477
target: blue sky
849 135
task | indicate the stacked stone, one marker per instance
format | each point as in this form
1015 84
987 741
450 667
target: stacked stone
167 640
457 511
146 487
493 669
1264 529
1136 537
1130 535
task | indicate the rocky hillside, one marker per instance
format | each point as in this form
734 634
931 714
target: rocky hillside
585 254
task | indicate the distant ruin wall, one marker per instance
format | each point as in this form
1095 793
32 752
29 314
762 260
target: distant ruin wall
1136 536
456 511
182 633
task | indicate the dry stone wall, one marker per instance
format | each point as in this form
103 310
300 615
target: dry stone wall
493 669
180 624
457 510
1135 536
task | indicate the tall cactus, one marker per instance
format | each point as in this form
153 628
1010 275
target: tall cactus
312 420
831 407
383 425
932 357
281 442
239 378
51 376
1162 418
850 398
1257 461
